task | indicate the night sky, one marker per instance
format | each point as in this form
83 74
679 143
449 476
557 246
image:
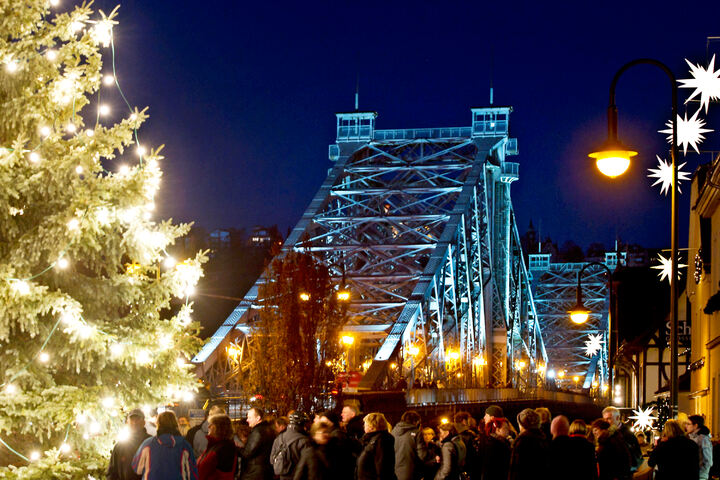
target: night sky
243 95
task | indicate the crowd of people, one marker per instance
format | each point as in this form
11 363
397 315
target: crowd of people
353 446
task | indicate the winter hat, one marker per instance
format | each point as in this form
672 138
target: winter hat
136 412
529 419
494 411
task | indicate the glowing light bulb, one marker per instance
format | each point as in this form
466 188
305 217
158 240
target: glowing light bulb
90 132
76 26
108 80
79 169
347 340
35 456
43 357
34 157
102 32
123 170
81 419
188 396
85 331
11 66
150 206
184 318
142 357
54 3
108 402
94 428
141 150
45 131
133 117
169 262
116 349
70 128
62 263
123 434
51 55
65 448
104 109
73 224
165 342
10 389
180 362
21 286
190 290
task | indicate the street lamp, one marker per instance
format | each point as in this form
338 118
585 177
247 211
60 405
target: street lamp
579 314
610 160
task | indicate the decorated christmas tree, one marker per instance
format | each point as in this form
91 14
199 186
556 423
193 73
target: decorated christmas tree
90 321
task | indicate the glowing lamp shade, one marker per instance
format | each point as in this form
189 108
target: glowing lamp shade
579 314
613 159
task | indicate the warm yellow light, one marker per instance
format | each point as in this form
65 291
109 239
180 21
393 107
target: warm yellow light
132 269
605 387
479 361
612 162
343 296
62 263
561 374
304 296
347 340
595 384
414 350
520 364
453 355
43 357
444 421
579 315
108 80
393 366
576 379
233 352
366 364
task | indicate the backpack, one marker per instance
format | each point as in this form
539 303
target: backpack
461 450
281 462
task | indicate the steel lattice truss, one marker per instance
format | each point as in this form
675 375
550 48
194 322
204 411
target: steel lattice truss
555 286
418 226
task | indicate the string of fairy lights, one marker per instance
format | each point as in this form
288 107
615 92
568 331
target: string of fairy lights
73 322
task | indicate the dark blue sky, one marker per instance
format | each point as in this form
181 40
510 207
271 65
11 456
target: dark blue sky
243 95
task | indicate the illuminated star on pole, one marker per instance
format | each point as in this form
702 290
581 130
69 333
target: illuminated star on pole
706 83
689 132
663 173
593 344
643 418
665 267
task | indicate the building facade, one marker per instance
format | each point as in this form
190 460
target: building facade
702 292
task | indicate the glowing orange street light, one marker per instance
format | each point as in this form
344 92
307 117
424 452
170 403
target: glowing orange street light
343 296
347 340
613 158
304 296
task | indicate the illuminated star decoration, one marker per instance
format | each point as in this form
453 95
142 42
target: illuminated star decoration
665 267
593 344
689 132
705 82
643 418
664 175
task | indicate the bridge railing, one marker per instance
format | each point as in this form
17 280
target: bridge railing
447 396
415 133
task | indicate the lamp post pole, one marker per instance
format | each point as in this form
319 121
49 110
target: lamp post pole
612 322
612 133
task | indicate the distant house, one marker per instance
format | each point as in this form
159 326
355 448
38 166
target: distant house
260 237
219 239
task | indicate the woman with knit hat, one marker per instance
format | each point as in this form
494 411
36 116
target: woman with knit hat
531 450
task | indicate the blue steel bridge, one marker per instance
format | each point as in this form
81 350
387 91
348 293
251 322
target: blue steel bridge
419 225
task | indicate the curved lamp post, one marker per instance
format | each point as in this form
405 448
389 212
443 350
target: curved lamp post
580 314
613 159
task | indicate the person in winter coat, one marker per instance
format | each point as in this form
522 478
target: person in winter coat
197 435
619 429
453 453
167 456
571 458
219 460
467 429
699 433
497 449
255 455
432 463
410 449
288 446
120 467
611 452
676 456
530 453
377 458
316 461
352 422
344 450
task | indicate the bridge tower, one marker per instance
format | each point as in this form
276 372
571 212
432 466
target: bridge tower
419 225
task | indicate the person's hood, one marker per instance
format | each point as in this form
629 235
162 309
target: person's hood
401 428
166 440
205 427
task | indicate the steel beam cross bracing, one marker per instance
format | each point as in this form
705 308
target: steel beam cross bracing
418 225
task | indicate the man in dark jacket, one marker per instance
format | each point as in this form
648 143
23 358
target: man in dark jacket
410 449
256 453
618 428
377 458
352 422
120 467
344 450
570 458
464 424
529 458
288 446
